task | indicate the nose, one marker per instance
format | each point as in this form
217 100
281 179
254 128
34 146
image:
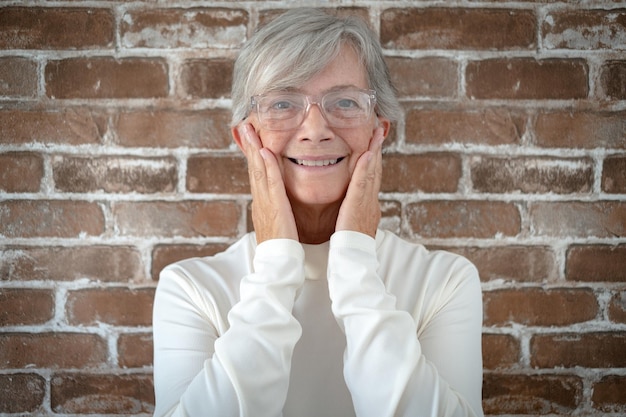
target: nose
315 127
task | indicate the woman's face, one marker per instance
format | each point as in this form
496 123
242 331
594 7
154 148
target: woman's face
314 140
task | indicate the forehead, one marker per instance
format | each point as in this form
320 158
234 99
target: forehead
345 70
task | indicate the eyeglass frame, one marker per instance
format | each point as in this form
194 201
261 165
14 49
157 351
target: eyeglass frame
312 99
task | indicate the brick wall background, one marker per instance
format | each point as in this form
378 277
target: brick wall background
116 159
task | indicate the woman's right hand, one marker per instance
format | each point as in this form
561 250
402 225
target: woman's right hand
272 215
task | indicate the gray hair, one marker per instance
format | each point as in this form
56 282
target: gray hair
297 45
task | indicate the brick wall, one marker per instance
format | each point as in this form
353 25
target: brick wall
116 159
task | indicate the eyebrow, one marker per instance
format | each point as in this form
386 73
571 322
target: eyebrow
329 90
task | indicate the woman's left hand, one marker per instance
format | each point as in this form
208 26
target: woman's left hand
360 210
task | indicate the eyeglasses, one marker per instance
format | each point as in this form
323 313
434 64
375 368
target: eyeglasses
341 108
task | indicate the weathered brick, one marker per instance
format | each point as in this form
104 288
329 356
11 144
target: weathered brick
527 79
266 16
21 392
221 174
614 174
584 29
565 129
113 174
206 78
500 351
104 77
617 308
81 393
608 394
207 129
185 219
25 306
488 126
115 306
56 28
51 350
94 262
135 350
596 263
18 76
456 28
48 218
476 219
516 263
613 79
531 394
21 172
539 307
72 126
163 255
434 172
184 28
531 175
424 77
587 350
563 219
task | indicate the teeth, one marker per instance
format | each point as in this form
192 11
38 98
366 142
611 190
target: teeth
320 163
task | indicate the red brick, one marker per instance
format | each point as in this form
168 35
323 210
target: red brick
500 351
21 393
512 263
456 28
104 77
596 263
221 174
527 79
613 79
584 29
185 219
81 393
531 394
614 174
539 307
557 129
18 76
488 126
476 219
608 394
56 28
587 350
266 16
207 129
531 175
617 308
431 173
113 174
25 306
51 350
563 219
184 28
95 262
391 216
424 77
163 255
206 78
115 306
47 218
21 172
135 350
72 126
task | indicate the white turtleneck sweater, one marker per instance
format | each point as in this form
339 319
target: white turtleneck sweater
356 326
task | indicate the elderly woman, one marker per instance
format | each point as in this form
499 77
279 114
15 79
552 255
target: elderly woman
318 312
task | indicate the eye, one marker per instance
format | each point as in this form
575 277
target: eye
278 105
347 103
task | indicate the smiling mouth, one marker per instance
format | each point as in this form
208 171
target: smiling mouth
316 163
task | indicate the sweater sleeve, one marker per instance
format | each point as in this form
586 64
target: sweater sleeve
244 371
385 367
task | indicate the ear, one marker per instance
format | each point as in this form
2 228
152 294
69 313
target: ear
237 135
385 124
